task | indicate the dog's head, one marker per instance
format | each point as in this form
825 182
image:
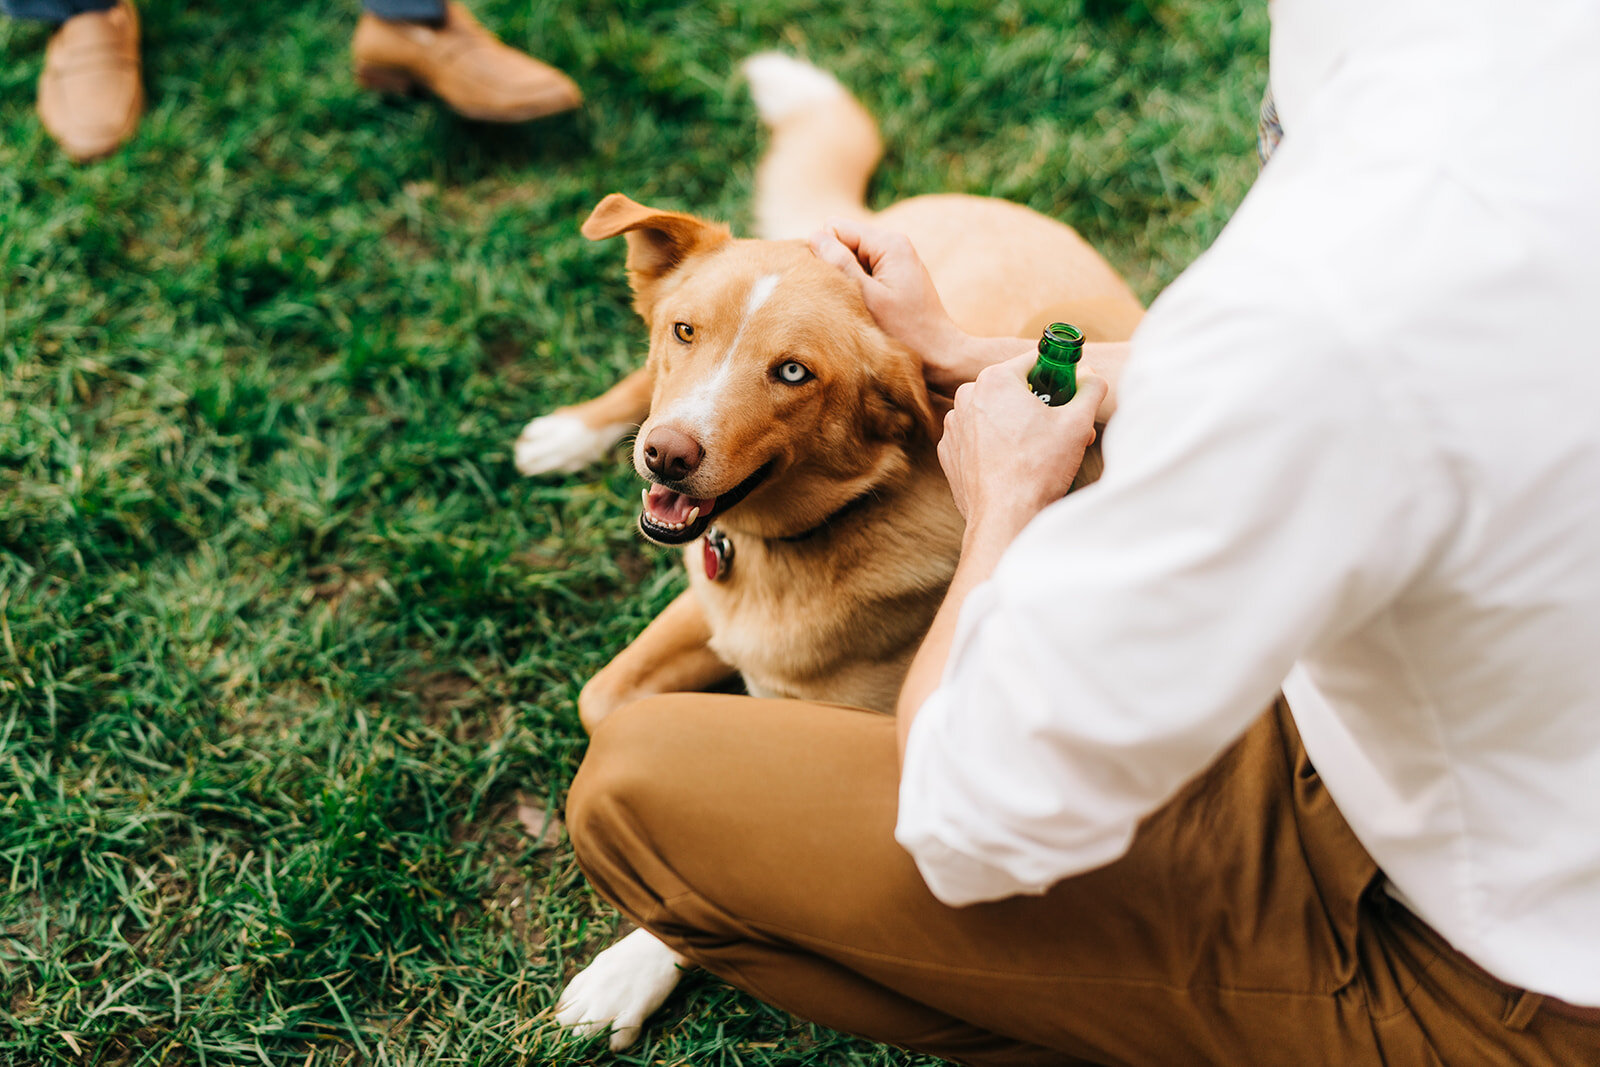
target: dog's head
774 389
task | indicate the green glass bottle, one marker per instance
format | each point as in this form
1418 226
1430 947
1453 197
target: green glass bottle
1054 377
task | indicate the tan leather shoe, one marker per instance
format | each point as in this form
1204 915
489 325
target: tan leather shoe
463 64
90 95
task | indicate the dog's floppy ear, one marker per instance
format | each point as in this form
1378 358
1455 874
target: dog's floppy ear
658 242
898 405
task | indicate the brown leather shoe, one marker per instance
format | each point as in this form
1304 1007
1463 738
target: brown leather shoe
463 64
90 95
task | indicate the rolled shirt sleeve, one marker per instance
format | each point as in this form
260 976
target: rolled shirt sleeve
1262 494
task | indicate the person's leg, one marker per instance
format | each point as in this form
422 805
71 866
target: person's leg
756 838
1432 1005
53 11
400 45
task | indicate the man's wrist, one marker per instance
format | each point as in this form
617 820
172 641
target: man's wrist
949 356
988 535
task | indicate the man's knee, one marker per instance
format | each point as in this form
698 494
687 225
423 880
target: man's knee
625 782
613 773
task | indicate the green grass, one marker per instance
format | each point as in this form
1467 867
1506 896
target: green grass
283 634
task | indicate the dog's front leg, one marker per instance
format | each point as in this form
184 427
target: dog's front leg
621 988
672 655
570 438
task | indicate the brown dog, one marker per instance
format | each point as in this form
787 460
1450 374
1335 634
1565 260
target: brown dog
790 444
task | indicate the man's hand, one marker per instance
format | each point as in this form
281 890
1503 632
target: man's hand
1008 455
900 295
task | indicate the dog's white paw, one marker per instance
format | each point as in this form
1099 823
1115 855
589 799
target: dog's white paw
620 989
559 443
781 85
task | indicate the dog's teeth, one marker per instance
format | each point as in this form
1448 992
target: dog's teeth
694 513
644 495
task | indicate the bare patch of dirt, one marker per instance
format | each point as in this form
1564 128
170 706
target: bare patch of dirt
468 710
332 584
635 566
505 833
541 559
544 828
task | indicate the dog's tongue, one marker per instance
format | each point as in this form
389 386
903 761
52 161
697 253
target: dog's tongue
668 508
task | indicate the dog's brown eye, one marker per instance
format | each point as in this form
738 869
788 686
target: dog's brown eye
792 373
683 332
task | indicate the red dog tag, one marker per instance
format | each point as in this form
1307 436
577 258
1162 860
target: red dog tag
717 552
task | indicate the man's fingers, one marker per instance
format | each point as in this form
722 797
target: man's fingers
870 244
1006 377
859 237
1105 403
950 462
863 242
1084 407
962 400
1020 364
845 230
1007 374
826 246
1092 390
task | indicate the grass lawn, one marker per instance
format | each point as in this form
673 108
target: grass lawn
285 639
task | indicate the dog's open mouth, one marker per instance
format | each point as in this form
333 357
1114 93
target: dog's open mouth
673 518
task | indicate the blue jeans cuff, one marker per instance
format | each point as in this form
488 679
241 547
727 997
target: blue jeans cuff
56 11
406 10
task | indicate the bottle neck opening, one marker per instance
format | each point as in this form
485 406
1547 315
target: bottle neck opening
1062 342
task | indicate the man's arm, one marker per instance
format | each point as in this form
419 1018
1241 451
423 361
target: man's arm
1262 495
1131 631
978 559
1008 457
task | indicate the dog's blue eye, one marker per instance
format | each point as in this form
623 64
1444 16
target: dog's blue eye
792 373
683 332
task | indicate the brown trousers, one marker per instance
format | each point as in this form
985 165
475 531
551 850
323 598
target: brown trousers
1243 927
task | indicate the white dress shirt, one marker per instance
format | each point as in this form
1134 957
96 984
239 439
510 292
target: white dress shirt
1357 456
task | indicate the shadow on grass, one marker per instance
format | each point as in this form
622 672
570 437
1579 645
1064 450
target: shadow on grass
471 150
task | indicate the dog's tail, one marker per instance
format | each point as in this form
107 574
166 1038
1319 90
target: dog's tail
824 147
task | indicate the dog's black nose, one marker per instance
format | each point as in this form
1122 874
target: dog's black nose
671 455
